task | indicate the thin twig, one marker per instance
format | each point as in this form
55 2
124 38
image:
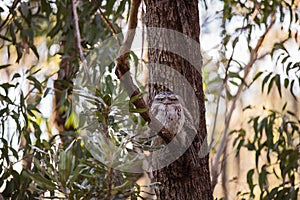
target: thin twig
110 177
219 98
253 59
143 32
224 174
109 25
78 40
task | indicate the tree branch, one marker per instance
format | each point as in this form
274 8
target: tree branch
78 41
122 72
109 25
122 65
219 98
253 59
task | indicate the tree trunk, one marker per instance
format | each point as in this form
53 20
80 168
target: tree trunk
182 179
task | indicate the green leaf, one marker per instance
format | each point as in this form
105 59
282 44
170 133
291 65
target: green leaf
19 52
271 84
278 84
136 97
41 181
247 107
138 110
78 170
65 166
12 33
7 86
135 58
286 82
72 121
262 178
98 93
292 89
16 75
63 98
265 81
257 76
109 6
15 153
288 68
250 146
34 49
121 8
284 106
4 110
40 168
250 179
5 38
4 66
235 41
36 83
234 75
285 58
234 83
46 92
257 154
241 143
107 99
124 186
31 108
55 29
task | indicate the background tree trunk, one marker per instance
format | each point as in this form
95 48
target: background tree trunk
63 86
182 179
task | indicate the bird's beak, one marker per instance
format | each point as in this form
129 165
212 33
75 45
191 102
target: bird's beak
167 102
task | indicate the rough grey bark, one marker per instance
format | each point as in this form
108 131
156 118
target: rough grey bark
182 179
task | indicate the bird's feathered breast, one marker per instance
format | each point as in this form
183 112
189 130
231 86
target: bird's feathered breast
171 116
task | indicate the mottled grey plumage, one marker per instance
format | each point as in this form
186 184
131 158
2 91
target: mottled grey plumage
168 108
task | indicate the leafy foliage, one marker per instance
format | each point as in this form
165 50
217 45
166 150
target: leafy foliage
50 169
74 170
274 140
251 57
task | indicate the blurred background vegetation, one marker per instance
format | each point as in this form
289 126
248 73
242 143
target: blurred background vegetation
251 70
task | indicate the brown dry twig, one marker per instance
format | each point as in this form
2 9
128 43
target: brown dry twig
109 25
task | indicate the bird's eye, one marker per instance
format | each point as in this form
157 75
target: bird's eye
172 98
159 98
